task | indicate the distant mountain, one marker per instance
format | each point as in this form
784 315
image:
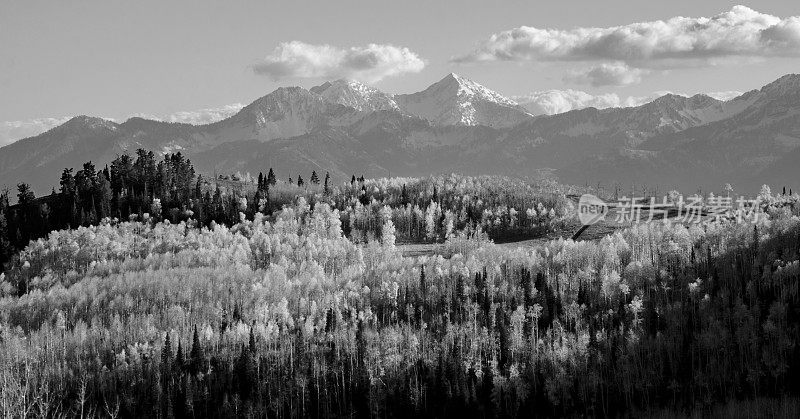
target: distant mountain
344 127
747 144
455 100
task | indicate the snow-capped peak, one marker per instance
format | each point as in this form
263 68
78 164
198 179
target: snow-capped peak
467 87
455 100
355 95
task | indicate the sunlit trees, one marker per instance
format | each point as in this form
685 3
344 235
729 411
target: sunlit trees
284 314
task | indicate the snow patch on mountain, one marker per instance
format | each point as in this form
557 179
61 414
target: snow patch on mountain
286 112
455 100
355 95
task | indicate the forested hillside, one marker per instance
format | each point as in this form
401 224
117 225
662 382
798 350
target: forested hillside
423 209
287 317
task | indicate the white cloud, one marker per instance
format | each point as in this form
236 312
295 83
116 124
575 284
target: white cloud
740 32
371 63
607 74
11 131
726 95
552 102
559 101
200 116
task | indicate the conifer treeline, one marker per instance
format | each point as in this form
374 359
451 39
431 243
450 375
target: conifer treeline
130 185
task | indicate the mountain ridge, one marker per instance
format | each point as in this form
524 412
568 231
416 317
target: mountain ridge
453 125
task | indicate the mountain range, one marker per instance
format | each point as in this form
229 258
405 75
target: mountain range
455 125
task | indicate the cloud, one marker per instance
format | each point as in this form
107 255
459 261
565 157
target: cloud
201 116
740 32
11 131
726 95
552 102
607 74
559 101
371 63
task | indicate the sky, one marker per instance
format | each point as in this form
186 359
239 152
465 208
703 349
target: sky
198 61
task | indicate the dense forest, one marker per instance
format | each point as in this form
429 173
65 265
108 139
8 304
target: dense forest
285 316
423 210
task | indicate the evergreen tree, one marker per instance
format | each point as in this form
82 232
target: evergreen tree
103 196
25 195
245 372
315 178
166 362
251 344
271 179
327 188
166 353
180 358
196 356
6 248
26 218
67 183
300 181
423 286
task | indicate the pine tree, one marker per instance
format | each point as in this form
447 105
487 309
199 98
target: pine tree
353 180
527 288
327 189
67 183
271 179
25 195
314 178
423 286
300 181
251 344
180 361
5 240
166 362
166 353
330 321
196 357
103 196
245 372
